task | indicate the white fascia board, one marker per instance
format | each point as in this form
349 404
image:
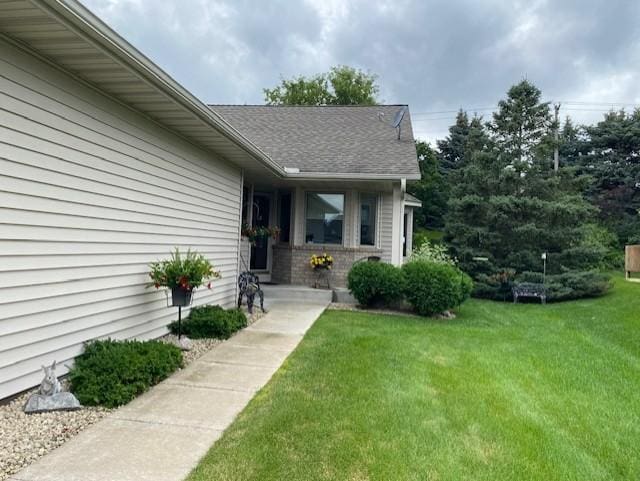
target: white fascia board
350 176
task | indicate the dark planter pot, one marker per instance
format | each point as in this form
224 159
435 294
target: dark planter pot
180 297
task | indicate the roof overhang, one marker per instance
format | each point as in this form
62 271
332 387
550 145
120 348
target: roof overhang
67 35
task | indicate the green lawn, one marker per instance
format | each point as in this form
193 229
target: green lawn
504 392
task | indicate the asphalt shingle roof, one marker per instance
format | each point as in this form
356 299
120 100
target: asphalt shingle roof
337 139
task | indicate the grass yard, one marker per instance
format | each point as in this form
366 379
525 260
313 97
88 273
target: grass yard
503 392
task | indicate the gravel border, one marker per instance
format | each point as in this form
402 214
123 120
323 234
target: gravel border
26 437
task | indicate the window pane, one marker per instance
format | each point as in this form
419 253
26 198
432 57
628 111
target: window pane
246 201
368 207
324 218
285 217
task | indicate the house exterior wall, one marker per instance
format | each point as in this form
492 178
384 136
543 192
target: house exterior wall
90 193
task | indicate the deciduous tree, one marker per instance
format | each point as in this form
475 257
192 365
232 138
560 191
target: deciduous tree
342 85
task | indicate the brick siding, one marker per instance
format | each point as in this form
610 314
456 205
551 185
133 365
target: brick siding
291 263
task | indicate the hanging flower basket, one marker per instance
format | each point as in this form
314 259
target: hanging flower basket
253 234
182 274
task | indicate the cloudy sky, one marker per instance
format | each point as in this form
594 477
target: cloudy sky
437 56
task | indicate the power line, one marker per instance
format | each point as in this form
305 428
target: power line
566 102
452 111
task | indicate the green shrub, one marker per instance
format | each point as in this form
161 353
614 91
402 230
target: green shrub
432 252
432 287
576 285
496 285
375 283
211 322
111 373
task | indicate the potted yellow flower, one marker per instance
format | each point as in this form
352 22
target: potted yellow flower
321 265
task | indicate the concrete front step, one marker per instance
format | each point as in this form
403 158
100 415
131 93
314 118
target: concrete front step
291 293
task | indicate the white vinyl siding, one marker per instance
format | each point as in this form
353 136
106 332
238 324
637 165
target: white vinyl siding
385 220
90 193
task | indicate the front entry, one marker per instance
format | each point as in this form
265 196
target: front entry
260 218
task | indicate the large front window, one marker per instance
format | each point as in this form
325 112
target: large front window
324 218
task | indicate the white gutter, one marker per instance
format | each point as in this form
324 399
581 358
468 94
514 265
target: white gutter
351 176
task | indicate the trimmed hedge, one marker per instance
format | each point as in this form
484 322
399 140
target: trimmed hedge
211 322
375 283
112 373
432 287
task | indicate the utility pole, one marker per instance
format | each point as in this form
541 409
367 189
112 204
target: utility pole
556 144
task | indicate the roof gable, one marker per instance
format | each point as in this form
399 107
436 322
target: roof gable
336 139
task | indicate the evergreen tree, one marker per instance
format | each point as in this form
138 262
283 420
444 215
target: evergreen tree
611 156
431 189
437 167
508 207
572 143
465 136
452 148
522 124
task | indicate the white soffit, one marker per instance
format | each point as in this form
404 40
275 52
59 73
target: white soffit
71 37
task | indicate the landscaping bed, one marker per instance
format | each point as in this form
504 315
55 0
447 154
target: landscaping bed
26 437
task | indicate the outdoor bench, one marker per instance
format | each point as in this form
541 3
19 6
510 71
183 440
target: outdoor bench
529 290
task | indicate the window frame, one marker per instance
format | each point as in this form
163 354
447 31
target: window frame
344 216
376 228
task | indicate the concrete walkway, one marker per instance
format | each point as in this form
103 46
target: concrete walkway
162 435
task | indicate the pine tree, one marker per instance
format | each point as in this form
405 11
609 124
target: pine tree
521 126
508 207
612 158
431 189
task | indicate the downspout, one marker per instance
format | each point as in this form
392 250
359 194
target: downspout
403 238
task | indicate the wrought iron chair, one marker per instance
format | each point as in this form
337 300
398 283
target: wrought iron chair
249 286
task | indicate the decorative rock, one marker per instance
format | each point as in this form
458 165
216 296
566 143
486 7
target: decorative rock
184 343
61 401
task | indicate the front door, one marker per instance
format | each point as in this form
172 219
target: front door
260 251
